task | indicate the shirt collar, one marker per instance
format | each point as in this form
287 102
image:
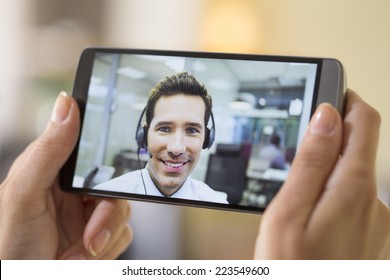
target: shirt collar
153 190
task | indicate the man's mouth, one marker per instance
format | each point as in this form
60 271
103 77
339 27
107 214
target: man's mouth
174 164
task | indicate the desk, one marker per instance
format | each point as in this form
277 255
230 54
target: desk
260 192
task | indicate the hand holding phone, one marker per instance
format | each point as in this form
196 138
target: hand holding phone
199 129
328 206
59 225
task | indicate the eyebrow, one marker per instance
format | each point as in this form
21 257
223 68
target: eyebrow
194 124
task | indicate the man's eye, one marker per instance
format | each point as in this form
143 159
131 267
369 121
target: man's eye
164 129
192 130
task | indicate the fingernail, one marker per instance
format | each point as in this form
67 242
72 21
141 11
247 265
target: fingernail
76 257
61 108
324 120
99 242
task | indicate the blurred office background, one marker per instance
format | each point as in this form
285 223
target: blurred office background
41 41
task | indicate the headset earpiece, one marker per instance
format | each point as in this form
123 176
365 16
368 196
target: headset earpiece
209 134
141 135
206 139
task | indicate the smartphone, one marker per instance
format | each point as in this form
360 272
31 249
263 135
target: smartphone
236 158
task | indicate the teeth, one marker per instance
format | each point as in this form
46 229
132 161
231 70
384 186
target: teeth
175 165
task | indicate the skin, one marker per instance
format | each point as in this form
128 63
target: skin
39 221
328 207
175 140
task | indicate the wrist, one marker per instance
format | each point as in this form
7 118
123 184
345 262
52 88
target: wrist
380 236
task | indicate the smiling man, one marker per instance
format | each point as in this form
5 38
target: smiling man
177 114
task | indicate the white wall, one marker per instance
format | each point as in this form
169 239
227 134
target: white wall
168 24
12 54
357 32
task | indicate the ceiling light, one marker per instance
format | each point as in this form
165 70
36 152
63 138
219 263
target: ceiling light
131 72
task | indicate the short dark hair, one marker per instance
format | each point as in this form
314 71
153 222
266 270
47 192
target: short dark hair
181 83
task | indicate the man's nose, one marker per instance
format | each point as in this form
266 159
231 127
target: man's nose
176 144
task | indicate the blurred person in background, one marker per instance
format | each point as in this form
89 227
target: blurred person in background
273 153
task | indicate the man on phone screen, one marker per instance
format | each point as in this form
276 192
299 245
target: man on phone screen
177 113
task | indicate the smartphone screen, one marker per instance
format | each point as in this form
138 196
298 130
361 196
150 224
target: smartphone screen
261 107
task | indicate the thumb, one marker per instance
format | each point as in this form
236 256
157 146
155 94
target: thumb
38 166
293 205
312 165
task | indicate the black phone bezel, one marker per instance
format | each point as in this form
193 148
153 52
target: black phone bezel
328 88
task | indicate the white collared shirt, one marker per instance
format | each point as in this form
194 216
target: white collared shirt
191 189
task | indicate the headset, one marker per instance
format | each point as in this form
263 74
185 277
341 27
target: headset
141 135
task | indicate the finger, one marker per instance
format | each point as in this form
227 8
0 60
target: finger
120 245
318 152
106 222
77 250
42 160
361 131
354 176
350 192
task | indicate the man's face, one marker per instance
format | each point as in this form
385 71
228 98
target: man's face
175 139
